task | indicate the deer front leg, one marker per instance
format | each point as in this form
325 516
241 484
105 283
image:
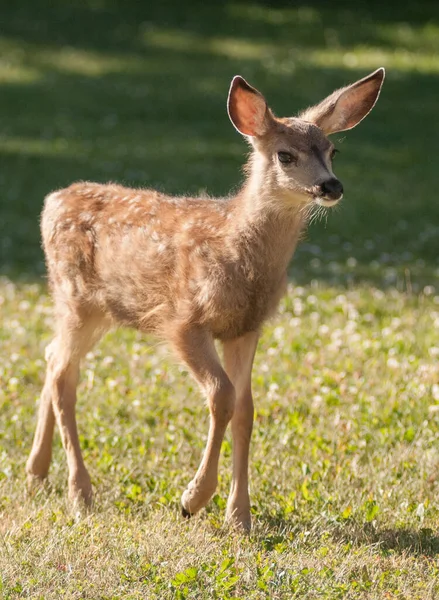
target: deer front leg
238 362
196 347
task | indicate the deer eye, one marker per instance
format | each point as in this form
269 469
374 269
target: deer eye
286 158
334 152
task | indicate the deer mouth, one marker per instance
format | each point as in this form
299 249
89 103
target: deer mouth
323 200
327 201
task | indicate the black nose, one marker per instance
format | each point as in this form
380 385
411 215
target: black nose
332 188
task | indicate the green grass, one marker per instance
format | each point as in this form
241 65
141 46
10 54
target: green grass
345 450
344 460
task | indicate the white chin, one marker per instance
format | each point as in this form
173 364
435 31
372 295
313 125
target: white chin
327 202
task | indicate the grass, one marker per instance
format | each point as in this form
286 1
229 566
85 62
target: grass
344 463
345 451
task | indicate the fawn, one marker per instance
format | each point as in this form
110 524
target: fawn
191 271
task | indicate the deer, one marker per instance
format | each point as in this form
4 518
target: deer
202 274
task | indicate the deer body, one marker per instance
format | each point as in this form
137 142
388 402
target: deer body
189 270
147 260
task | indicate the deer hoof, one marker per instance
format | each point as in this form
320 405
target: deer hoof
185 513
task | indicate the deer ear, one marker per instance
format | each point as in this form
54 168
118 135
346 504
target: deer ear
346 107
247 108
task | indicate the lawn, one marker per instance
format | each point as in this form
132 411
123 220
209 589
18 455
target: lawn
345 449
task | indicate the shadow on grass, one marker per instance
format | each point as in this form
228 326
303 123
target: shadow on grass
419 542
136 93
422 542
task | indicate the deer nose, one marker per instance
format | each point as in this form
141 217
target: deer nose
332 188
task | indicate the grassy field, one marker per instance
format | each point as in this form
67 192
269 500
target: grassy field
345 450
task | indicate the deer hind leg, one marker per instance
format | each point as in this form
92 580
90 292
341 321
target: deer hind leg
196 347
77 332
37 466
238 362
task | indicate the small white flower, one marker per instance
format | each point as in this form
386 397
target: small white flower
279 333
317 400
24 305
392 363
297 307
295 322
111 383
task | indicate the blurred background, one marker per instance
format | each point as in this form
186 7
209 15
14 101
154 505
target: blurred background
135 92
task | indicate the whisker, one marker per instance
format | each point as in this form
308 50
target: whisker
316 213
307 211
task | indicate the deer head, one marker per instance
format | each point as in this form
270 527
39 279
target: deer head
294 154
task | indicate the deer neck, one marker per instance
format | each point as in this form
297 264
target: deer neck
265 218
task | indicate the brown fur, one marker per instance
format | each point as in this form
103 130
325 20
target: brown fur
150 261
189 270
